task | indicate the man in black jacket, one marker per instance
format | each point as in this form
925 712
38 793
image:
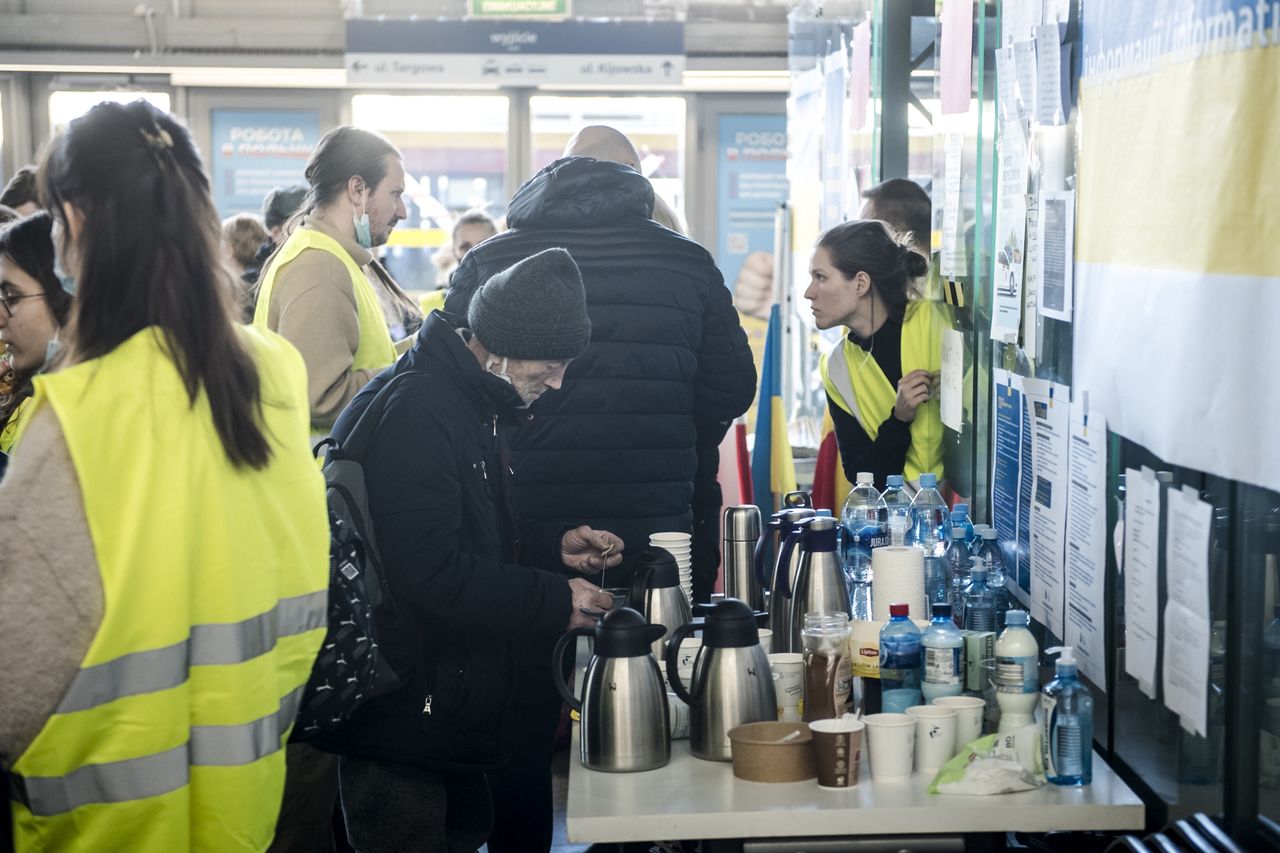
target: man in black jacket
667 370
471 580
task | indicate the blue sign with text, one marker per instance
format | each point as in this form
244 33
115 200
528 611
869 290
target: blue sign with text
256 150
752 174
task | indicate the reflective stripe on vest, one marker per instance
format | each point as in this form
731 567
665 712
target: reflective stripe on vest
376 349
214 579
857 385
153 775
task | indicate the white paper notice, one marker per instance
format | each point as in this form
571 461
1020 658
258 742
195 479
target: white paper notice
1141 584
1048 75
952 379
1086 543
1057 244
1031 280
1049 407
1011 230
1024 63
1007 83
1186 615
952 251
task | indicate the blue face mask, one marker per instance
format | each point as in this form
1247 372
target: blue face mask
51 351
363 236
68 282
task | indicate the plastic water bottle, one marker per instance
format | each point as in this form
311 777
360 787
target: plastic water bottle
860 532
896 500
997 581
976 544
1271 658
901 661
1067 717
960 516
979 609
957 562
943 644
929 516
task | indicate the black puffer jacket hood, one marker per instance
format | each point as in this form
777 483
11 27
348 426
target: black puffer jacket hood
667 370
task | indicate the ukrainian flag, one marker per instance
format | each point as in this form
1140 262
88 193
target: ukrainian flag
773 471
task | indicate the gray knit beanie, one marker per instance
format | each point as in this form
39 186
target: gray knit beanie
535 309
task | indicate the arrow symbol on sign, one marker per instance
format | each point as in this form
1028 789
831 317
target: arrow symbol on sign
358 66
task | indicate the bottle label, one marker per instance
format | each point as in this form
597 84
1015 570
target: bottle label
1016 674
1047 707
843 685
942 665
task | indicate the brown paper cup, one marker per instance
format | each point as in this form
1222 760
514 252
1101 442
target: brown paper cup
837 748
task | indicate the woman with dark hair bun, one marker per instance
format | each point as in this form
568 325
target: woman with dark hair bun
881 378
33 310
165 556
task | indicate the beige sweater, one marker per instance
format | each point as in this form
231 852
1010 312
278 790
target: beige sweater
50 588
314 308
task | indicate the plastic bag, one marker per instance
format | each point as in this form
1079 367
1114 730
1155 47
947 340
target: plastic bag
995 764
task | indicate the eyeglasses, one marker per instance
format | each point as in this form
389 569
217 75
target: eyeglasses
8 300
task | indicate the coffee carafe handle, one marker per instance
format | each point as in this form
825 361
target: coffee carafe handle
639 584
761 543
673 658
784 557
567 641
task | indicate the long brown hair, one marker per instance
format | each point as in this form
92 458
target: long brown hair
150 256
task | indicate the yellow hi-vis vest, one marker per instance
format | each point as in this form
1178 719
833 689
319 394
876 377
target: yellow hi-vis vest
857 384
376 349
215 588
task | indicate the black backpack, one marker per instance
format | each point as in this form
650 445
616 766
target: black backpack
358 659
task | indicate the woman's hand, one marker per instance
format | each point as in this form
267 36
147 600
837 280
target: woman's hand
913 389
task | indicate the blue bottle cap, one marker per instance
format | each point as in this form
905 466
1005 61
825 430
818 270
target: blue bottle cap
894 480
928 480
963 509
1017 617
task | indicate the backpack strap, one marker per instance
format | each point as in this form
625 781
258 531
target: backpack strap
357 441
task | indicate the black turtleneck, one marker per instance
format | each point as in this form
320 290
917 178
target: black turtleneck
887 454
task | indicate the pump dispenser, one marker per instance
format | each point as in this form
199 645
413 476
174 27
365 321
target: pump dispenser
1067 717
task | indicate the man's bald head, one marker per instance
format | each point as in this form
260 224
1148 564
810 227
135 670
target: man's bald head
603 143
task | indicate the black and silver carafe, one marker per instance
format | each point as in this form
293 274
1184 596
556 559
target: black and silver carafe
657 595
624 713
731 683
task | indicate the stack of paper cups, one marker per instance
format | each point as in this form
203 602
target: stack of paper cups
680 546
897 577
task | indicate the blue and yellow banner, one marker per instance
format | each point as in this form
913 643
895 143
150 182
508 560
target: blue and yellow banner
773 471
1178 267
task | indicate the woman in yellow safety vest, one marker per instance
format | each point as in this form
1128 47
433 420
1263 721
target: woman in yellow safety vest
880 379
33 310
165 553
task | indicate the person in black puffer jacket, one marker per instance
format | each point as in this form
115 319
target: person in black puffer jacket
469 579
667 371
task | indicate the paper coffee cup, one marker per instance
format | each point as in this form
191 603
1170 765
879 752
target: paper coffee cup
837 748
788 684
935 736
891 742
766 640
969 713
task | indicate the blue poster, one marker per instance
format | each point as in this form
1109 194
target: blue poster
752 169
257 150
1011 481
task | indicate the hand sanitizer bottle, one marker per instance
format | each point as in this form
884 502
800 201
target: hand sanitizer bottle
1067 718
